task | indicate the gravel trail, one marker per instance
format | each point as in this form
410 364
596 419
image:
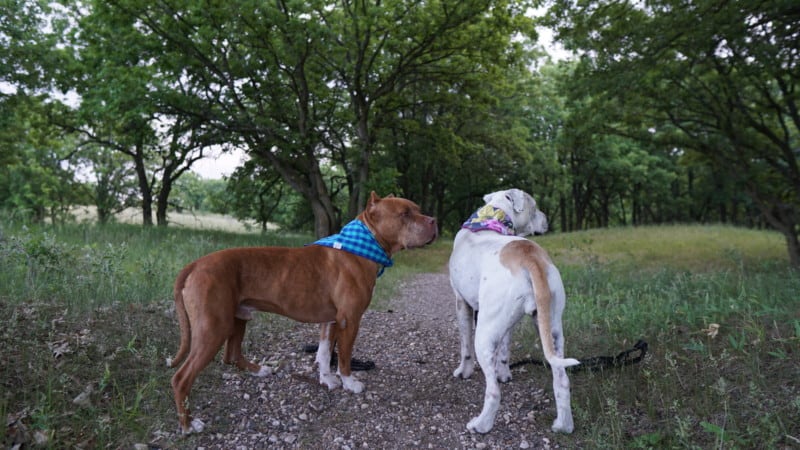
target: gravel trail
411 399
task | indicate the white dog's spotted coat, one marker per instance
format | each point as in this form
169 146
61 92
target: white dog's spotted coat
504 278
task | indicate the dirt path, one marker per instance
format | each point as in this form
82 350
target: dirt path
411 399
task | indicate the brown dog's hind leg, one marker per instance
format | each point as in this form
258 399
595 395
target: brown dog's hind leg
200 354
233 351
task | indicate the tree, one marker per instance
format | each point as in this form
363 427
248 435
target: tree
121 95
381 50
298 84
113 181
37 181
256 193
719 79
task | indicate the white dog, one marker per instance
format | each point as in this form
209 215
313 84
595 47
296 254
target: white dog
503 275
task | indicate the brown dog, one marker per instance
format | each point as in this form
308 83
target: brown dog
216 295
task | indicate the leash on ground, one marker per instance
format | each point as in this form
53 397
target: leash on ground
355 364
598 363
593 364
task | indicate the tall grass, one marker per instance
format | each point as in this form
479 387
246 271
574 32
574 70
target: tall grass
82 266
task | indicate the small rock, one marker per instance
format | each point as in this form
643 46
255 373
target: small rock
41 437
84 398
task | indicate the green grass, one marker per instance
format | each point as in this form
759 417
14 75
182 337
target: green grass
667 285
84 310
84 266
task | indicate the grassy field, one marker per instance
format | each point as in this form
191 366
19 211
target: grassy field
87 325
720 311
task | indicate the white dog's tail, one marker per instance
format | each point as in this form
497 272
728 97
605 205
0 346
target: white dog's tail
532 258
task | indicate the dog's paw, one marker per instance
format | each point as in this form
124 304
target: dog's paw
479 425
563 426
463 372
330 380
503 374
261 372
352 385
196 426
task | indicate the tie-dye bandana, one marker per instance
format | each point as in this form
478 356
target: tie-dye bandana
490 218
356 238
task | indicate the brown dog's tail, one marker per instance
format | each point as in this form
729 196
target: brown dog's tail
533 259
183 318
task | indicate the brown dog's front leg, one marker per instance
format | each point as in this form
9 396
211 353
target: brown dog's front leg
327 339
348 330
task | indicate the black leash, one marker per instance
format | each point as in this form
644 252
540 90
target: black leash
594 364
355 364
598 363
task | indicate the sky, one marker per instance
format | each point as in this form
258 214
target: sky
219 164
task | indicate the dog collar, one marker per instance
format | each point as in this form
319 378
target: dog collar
356 238
490 218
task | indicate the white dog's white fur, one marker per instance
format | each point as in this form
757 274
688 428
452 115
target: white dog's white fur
504 277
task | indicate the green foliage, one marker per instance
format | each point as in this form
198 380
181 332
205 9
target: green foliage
704 79
37 180
436 102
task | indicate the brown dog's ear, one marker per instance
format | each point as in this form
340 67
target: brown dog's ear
373 199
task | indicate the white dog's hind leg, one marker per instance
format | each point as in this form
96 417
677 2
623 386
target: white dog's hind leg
466 322
501 363
563 422
487 342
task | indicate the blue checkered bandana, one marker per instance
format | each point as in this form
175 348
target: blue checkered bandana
356 238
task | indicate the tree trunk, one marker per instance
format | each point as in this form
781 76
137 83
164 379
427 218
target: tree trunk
162 203
358 196
144 188
323 222
781 217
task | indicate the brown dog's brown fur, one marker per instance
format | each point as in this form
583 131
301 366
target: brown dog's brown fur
216 295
